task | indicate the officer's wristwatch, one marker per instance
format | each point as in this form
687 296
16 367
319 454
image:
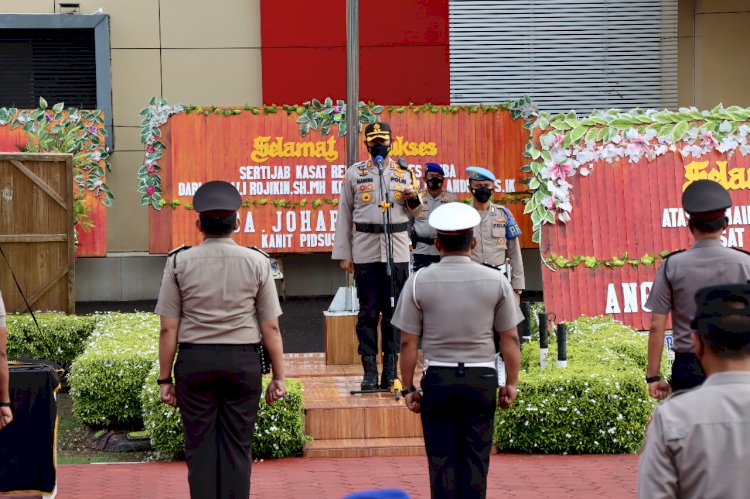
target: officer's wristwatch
164 381
409 390
653 379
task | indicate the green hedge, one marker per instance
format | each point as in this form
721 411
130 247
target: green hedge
106 380
60 340
279 430
598 404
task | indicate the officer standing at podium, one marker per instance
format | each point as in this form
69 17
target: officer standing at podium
360 244
217 301
458 308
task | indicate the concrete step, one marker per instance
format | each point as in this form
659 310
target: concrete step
365 447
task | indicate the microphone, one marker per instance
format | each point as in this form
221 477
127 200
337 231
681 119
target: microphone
379 162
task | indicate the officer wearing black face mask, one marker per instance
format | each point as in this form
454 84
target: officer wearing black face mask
360 244
423 234
498 234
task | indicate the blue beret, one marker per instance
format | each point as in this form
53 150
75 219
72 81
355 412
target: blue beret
434 167
479 173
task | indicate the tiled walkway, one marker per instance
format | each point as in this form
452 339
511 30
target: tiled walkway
319 478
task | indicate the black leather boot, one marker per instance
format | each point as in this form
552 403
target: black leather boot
390 360
370 379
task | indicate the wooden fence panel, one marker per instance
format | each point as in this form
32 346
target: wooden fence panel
36 231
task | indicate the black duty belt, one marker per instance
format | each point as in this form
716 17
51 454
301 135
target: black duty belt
220 347
379 228
427 240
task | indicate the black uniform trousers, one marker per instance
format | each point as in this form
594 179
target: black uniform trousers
218 388
687 371
374 294
458 411
421 261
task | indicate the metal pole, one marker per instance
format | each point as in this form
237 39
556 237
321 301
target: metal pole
523 328
352 81
352 91
543 339
562 345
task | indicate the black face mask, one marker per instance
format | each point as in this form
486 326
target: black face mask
434 183
483 194
379 150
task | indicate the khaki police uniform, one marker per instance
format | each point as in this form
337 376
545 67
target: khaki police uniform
683 273
493 247
220 292
697 442
424 252
360 238
456 306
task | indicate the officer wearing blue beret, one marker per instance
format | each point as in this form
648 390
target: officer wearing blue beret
459 309
681 275
423 235
217 301
498 234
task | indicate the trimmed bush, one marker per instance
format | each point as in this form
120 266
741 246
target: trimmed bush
106 380
61 338
279 430
598 404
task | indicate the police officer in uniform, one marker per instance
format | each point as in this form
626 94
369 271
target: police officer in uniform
360 244
681 274
458 308
423 235
698 442
6 415
498 234
217 301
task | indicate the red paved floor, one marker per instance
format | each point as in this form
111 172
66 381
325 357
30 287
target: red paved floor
319 478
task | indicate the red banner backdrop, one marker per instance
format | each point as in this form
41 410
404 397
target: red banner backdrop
632 212
290 184
90 243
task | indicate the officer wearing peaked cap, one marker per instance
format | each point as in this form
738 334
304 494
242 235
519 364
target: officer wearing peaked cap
423 235
498 234
698 442
680 275
458 308
360 244
217 301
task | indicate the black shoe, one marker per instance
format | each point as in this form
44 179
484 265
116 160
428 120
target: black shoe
389 370
370 379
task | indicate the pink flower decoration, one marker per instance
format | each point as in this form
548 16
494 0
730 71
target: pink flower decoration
710 138
150 190
48 116
560 170
150 149
150 169
559 139
337 109
641 142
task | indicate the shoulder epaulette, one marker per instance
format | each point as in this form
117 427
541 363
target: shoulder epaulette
255 248
741 251
402 162
358 164
178 249
492 267
674 253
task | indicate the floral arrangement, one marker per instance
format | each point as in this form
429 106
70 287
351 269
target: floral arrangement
68 130
322 116
567 145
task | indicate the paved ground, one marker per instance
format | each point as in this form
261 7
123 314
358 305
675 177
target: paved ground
518 476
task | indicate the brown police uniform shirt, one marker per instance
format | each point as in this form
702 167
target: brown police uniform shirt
698 442
492 248
220 291
456 306
359 203
2 312
706 263
420 224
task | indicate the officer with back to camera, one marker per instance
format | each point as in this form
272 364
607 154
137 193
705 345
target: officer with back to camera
217 301
459 309
681 275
